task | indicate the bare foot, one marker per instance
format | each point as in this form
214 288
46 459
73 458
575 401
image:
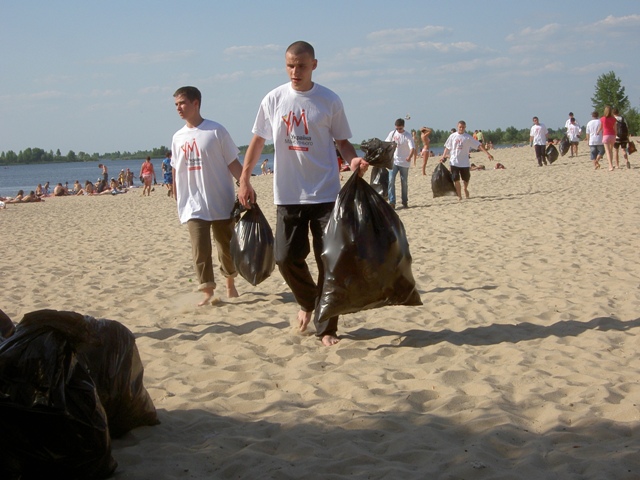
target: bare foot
303 320
231 288
208 295
330 340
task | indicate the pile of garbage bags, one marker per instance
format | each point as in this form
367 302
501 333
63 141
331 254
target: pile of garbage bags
68 384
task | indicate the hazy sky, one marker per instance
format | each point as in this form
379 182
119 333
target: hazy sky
98 76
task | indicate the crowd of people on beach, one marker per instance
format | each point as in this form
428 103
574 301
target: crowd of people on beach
606 135
102 186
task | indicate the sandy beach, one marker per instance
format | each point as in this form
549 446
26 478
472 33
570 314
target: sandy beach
521 364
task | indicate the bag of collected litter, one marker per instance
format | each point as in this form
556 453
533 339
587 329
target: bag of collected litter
378 153
52 421
564 145
116 369
551 152
380 181
366 255
441 182
6 326
252 244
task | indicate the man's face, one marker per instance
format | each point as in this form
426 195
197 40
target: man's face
400 128
300 69
461 128
187 109
535 121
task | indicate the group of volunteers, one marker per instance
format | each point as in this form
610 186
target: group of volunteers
605 135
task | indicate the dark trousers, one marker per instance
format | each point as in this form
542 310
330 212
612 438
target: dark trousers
541 154
291 250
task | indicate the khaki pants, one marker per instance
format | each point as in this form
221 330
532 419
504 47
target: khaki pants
201 248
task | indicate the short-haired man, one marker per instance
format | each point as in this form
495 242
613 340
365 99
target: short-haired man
404 152
204 164
457 147
594 139
303 119
538 139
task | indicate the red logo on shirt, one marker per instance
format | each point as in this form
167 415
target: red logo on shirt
192 155
292 120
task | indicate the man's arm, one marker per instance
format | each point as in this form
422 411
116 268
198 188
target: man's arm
349 155
246 193
235 168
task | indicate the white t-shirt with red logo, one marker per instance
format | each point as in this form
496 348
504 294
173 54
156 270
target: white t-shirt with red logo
459 145
204 185
303 126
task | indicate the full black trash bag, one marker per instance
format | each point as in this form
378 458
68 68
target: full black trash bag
252 245
52 422
6 326
378 153
366 255
116 368
380 181
564 145
551 152
441 182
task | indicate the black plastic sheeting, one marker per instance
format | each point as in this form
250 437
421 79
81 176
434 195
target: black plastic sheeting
252 244
68 383
441 182
366 255
564 145
551 153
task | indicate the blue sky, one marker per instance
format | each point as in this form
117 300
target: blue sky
98 76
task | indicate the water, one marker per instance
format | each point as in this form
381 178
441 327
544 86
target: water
27 177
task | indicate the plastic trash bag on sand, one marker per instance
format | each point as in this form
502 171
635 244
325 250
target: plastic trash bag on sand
366 255
564 145
68 383
252 244
441 182
52 422
551 152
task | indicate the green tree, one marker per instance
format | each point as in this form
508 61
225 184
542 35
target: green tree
609 91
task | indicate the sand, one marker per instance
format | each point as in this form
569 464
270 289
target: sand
522 362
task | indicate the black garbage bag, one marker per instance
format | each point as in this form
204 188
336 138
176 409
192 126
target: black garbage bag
441 182
52 421
564 145
366 255
380 181
378 153
6 326
551 152
116 369
252 244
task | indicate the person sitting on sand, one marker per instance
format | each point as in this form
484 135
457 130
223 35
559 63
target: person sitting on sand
39 190
59 190
45 189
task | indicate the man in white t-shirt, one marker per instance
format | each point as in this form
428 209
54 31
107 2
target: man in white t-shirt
402 156
573 134
457 148
538 139
594 138
303 119
572 121
204 164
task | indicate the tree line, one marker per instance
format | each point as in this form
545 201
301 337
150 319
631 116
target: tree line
608 91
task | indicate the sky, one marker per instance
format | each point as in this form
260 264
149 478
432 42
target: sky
98 76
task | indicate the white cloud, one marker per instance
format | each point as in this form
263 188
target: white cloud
146 59
403 35
253 51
